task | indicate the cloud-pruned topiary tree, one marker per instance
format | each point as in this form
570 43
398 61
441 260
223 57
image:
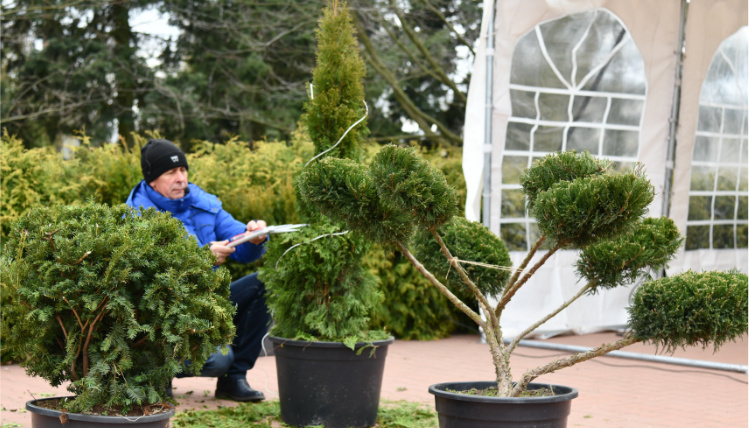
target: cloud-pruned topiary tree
579 203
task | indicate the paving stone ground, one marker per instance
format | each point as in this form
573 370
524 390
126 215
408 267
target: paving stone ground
613 392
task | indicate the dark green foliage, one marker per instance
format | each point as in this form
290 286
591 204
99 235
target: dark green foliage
410 184
558 167
337 88
112 301
690 309
320 290
469 241
237 68
613 262
413 309
580 212
86 75
342 190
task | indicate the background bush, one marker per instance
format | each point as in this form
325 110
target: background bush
253 181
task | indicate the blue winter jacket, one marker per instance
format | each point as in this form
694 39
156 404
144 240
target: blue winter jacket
202 216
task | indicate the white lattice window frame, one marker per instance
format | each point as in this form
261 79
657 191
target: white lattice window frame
572 89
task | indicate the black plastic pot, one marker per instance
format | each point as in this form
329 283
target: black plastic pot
470 411
326 383
42 417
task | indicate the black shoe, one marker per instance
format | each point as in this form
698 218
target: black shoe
237 389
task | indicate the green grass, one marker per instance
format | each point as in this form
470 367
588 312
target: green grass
392 414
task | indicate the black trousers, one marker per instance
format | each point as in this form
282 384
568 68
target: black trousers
251 321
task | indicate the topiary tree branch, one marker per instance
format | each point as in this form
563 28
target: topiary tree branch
555 365
483 303
524 263
587 287
441 287
515 287
493 335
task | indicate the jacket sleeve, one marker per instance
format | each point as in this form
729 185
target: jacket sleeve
226 228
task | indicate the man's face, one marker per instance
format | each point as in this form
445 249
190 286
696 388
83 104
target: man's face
171 184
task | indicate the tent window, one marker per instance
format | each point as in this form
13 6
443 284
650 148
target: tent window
576 83
717 216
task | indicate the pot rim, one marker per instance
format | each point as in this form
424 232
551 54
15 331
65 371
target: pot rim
323 344
33 408
439 390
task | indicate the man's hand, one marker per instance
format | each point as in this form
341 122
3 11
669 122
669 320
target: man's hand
255 225
221 251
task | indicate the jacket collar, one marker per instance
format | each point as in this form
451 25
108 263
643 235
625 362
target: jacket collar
166 204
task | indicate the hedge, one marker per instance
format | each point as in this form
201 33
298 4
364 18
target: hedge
253 180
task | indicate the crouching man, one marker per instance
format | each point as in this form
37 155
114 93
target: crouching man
165 187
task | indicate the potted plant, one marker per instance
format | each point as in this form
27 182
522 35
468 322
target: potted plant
578 203
114 303
329 364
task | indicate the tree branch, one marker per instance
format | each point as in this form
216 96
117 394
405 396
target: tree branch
447 23
464 276
507 296
570 361
422 119
563 306
441 287
425 52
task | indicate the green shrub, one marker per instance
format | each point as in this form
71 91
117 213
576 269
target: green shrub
319 289
111 301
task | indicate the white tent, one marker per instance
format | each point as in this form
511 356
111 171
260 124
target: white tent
608 76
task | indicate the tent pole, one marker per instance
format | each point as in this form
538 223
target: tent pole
487 193
674 119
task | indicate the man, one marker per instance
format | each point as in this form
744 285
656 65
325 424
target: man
165 187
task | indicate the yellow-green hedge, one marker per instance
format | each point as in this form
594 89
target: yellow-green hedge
252 183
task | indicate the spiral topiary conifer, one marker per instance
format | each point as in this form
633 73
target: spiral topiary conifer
317 286
578 202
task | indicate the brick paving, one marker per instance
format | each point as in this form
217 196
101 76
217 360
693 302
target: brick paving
613 392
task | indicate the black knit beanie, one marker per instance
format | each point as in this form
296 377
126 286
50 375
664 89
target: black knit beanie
158 157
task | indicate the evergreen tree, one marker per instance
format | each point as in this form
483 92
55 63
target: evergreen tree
319 289
70 66
337 92
238 68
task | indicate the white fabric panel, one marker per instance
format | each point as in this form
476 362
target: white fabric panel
654 28
703 260
475 123
709 22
